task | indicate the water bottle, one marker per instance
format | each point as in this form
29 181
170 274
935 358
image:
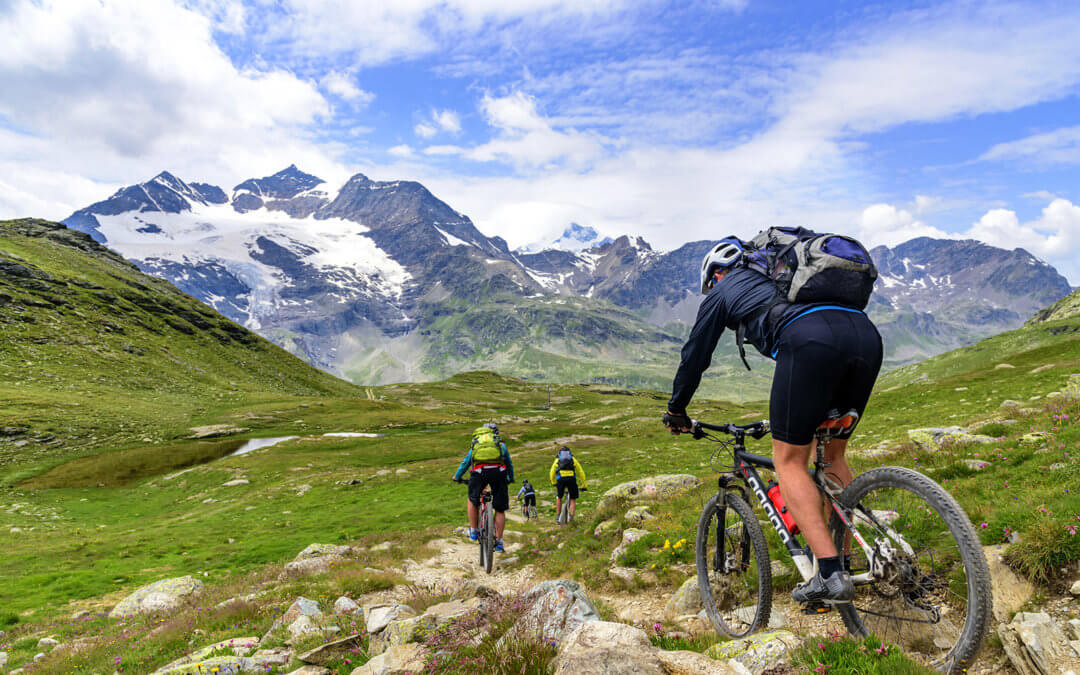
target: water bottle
781 507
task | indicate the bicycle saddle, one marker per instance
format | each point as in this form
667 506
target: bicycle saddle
836 424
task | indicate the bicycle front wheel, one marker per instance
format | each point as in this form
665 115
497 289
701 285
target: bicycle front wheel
734 577
489 539
928 589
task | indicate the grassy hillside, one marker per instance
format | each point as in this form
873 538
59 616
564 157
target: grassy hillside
98 355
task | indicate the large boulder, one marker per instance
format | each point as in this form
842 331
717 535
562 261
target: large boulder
758 652
323 550
558 607
1038 645
345 605
653 488
1010 591
934 438
638 514
606 527
398 660
164 595
606 648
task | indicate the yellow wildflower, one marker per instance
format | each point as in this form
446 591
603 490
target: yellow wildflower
667 544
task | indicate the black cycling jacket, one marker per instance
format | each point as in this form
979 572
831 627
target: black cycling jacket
741 297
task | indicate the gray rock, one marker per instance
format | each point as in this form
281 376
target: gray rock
311 670
345 605
163 595
1075 588
758 652
558 607
625 575
605 527
240 646
3 659
629 536
322 550
686 600
603 648
300 607
1010 592
653 488
638 514
324 654
378 616
404 659
47 643
1038 645
266 659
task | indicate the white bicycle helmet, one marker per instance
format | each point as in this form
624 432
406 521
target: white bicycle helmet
722 256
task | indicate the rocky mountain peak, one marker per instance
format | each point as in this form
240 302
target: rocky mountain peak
285 184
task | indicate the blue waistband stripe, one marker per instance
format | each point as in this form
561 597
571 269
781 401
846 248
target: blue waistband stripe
776 347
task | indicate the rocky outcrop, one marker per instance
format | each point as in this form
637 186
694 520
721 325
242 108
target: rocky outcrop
653 488
301 607
630 535
1036 644
324 654
1010 591
686 600
603 647
240 646
159 596
379 616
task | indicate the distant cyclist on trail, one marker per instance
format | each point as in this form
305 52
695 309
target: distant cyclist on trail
488 463
567 476
827 354
528 493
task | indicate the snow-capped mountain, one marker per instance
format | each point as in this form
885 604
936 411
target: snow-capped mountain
574 238
382 281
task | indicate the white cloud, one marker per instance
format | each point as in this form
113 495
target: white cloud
1053 236
1060 146
443 150
447 120
425 130
401 151
120 90
884 224
341 84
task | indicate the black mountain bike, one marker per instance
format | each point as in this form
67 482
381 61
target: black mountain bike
921 580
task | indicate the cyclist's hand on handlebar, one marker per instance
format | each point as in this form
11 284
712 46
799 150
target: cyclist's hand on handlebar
678 423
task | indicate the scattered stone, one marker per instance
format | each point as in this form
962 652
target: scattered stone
639 514
385 546
975 464
1037 645
383 472
934 438
3 659
1056 466
40 656
778 568
219 665
758 652
602 647
1033 438
404 659
777 617
1010 403
216 430
310 566
401 472
303 490
310 670
159 596
606 527
1004 366
324 654
302 626
378 616
236 482
300 607
345 605
1075 588
686 600
47 643
653 488
266 659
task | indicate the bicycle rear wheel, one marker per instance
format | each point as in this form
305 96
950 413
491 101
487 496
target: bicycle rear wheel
734 577
489 538
564 513
483 536
929 592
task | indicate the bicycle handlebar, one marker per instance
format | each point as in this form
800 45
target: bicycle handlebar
756 430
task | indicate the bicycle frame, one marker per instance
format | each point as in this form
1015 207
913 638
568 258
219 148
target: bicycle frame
745 469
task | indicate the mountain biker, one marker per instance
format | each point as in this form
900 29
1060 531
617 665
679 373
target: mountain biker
827 357
528 493
488 463
564 475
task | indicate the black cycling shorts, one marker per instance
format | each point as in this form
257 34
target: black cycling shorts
496 479
530 499
826 360
568 484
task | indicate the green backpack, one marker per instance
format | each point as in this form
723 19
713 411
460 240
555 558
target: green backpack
485 447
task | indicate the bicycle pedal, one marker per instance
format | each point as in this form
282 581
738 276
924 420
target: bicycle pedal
817 608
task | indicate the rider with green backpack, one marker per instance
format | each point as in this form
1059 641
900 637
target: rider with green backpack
797 296
567 476
488 464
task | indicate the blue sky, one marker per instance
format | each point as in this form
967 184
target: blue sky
672 120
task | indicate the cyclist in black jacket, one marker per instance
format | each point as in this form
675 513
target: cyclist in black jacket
827 357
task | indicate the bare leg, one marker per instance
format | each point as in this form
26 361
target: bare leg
474 514
801 495
500 523
558 506
840 471
573 503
